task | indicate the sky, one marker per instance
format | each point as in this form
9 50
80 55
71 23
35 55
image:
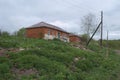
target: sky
67 14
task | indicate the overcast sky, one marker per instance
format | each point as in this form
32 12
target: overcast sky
15 14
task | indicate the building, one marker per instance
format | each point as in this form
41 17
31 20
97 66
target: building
46 31
74 38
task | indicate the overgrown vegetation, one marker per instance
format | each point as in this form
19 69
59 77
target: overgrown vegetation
55 60
114 44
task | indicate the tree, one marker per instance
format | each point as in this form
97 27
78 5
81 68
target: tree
21 32
0 32
88 24
5 34
84 38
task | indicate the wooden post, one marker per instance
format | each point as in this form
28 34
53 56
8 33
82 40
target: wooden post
0 32
101 23
107 53
101 28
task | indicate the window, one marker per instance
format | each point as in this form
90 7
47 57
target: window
49 32
52 32
58 34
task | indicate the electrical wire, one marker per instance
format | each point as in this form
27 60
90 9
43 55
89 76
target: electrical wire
78 8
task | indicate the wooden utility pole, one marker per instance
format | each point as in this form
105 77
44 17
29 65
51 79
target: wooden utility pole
101 29
0 32
101 23
107 53
107 35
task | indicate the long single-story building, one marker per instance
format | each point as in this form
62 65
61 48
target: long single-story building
47 31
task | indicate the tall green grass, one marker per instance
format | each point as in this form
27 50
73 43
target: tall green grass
56 60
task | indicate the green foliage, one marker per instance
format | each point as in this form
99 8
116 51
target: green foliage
4 60
4 68
5 34
56 39
8 44
21 32
84 38
114 44
94 46
5 72
56 60
27 61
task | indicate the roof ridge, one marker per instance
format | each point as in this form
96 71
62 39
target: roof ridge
42 23
53 25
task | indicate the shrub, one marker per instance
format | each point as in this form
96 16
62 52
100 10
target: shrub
4 60
27 61
4 68
84 65
5 72
56 39
8 44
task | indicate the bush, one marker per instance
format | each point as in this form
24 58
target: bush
52 55
40 63
84 38
8 44
4 60
27 61
56 39
5 72
4 68
84 65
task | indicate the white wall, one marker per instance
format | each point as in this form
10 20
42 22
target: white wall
65 39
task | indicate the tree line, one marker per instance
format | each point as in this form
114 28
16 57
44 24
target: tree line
19 33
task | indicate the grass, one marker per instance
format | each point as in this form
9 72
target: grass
56 60
114 44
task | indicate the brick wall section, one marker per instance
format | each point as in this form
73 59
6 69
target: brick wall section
35 32
74 38
55 32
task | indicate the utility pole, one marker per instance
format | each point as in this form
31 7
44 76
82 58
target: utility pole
100 25
0 31
107 53
107 35
101 29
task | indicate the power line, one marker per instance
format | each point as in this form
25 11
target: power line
68 6
77 5
72 4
